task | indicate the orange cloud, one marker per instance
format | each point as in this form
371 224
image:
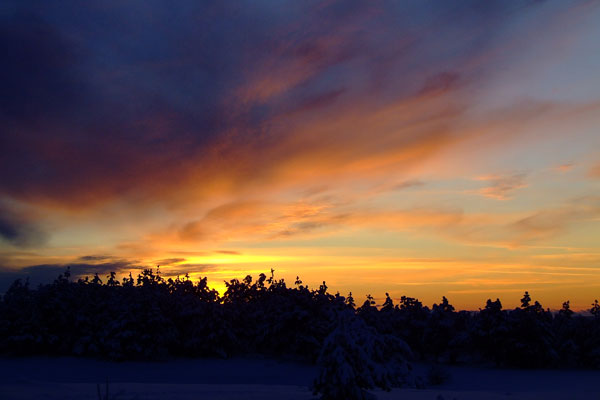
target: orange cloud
501 187
564 167
595 171
548 223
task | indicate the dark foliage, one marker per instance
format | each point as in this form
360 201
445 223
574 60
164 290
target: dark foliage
153 318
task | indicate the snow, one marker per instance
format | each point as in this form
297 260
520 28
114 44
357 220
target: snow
260 378
471 383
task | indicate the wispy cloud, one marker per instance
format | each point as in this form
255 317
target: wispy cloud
502 187
169 261
564 167
408 184
548 223
594 172
94 258
514 231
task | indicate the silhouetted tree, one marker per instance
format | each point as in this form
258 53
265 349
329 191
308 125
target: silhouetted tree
352 304
388 305
490 332
565 311
595 310
525 300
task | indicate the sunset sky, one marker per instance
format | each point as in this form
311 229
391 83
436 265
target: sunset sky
420 148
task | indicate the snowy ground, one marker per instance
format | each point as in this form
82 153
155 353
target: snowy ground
69 378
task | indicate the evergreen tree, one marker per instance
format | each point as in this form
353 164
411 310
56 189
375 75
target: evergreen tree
525 300
350 300
595 310
355 358
388 305
566 311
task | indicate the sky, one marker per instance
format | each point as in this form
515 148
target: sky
419 148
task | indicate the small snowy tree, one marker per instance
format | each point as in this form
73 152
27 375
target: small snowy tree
355 358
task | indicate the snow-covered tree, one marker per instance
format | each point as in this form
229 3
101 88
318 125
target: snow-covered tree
355 358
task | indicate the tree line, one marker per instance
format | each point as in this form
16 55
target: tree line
357 347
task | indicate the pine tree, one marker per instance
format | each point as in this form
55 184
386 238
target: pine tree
388 305
595 310
566 311
350 300
355 358
525 300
